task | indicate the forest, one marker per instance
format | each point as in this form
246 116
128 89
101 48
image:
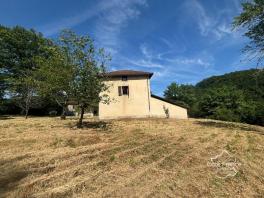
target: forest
236 96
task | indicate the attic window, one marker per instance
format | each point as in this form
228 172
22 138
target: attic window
123 90
124 78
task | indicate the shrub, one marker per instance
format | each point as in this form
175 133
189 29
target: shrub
226 115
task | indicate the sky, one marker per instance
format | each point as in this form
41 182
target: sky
182 41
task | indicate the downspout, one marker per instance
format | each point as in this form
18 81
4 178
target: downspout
148 95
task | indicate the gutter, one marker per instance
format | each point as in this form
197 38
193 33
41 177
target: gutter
148 95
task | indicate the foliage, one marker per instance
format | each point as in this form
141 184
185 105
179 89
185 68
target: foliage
89 65
221 103
252 18
35 68
18 47
55 76
237 96
42 107
250 81
166 111
181 93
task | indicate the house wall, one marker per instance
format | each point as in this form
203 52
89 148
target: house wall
136 104
157 109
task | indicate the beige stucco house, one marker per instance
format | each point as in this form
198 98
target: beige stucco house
131 98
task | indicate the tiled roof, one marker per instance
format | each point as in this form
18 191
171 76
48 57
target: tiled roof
128 73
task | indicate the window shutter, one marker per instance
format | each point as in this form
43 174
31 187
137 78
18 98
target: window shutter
119 91
128 90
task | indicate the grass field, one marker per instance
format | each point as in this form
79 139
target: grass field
49 157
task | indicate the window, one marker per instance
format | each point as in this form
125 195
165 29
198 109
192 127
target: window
124 78
123 90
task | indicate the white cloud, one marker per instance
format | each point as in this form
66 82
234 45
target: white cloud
189 62
225 28
167 42
113 15
145 63
147 59
145 51
216 26
110 23
71 21
154 61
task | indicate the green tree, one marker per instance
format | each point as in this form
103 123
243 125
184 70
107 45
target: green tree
55 77
18 48
252 18
2 85
184 94
89 65
223 103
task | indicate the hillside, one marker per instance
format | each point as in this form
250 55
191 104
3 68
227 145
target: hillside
47 157
251 82
236 97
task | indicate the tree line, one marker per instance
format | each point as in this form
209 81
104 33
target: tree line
33 67
237 96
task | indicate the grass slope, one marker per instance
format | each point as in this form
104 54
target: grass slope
47 157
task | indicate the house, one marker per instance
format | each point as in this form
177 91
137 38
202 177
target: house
132 98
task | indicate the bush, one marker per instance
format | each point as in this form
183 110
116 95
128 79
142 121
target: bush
225 115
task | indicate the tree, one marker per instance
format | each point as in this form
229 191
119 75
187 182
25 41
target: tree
23 90
18 48
2 85
55 77
89 65
252 18
181 93
223 103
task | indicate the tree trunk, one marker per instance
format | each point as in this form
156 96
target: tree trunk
80 123
63 114
26 109
26 115
28 101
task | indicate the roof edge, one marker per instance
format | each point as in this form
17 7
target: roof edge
168 101
119 73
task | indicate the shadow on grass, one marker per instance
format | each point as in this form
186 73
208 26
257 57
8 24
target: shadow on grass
9 180
5 117
96 125
101 125
230 125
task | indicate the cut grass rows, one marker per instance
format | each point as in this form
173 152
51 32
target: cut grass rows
137 158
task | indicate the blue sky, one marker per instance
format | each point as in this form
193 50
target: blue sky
183 41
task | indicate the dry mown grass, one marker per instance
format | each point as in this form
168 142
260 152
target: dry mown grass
47 157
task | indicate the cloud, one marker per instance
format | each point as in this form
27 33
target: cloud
145 51
71 21
145 63
163 64
112 16
189 62
217 26
167 42
149 58
109 24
